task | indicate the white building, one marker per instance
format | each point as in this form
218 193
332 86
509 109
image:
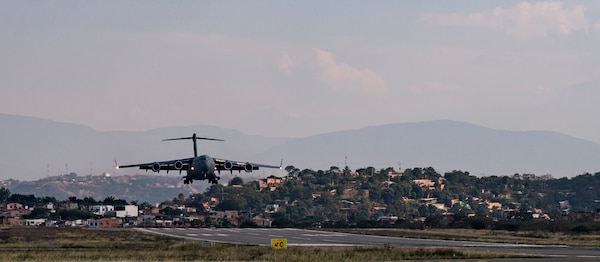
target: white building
100 210
127 211
35 222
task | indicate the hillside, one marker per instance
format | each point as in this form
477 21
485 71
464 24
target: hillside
143 188
34 148
446 146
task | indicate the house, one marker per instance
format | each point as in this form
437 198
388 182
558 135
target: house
390 220
440 206
271 182
392 174
127 211
15 210
378 209
107 222
212 202
272 208
14 206
425 183
494 205
49 206
230 215
11 221
68 206
350 189
161 222
428 200
34 222
262 221
101 210
130 222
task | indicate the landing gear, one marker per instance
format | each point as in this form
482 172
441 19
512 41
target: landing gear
215 180
187 181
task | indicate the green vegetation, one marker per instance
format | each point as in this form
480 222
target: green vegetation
416 198
76 244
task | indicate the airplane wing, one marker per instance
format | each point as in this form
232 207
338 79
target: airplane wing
223 164
177 164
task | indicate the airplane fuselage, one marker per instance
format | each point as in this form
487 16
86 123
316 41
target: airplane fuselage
202 167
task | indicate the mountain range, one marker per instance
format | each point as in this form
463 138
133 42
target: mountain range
33 148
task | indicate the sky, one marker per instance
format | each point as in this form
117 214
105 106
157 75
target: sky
299 68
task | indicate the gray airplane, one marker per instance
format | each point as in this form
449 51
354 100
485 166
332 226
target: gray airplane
199 167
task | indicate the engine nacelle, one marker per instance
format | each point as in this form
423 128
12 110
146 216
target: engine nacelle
248 167
156 167
228 165
178 165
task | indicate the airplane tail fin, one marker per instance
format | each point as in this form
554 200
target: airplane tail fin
194 138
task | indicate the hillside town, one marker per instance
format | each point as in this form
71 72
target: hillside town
414 198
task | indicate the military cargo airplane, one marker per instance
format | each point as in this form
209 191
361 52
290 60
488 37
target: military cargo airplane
199 167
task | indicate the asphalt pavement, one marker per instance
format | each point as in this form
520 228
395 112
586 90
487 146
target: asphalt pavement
315 238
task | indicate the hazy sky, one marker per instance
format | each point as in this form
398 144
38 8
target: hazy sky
297 68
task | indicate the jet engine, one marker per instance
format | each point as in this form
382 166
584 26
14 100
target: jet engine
178 165
228 165
156 167
248 167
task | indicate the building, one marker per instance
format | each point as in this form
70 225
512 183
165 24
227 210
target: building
262 221
127 211
107 222
101 210
34 222
14 206
271 182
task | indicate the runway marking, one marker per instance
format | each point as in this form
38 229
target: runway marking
222 235
192 235
323 235
302 238
323 245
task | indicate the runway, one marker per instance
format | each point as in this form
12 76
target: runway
314 238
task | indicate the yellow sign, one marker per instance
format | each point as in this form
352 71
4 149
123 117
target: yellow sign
279 243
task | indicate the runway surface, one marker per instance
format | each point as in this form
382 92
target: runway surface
303 237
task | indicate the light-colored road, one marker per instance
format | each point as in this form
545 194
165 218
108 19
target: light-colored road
303 237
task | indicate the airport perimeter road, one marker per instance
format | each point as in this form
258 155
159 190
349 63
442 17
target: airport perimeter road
303 237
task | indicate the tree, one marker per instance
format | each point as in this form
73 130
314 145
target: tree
282 221
28 200
88 201
228 204
75 214
4 194
115 202
38 213
236 181
248 224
